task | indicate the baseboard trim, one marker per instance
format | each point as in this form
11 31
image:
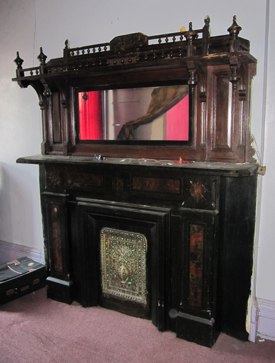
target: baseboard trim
266 319
10 251
252 324
262 320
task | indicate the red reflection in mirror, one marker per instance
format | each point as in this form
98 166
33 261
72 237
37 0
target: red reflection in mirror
90 113
177 121
146 113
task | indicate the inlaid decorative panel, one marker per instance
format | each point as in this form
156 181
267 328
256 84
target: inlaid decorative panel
123 265
200 192
70 179
56 238
117 184
157 185
196 264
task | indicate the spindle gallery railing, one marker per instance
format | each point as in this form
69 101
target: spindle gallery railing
131 48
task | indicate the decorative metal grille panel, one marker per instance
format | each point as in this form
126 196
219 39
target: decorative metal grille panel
123 265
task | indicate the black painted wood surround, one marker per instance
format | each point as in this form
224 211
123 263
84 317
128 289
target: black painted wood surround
80 196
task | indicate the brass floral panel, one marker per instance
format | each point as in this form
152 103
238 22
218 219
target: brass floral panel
123 265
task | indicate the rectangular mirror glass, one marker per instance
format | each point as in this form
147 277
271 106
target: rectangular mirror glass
159 113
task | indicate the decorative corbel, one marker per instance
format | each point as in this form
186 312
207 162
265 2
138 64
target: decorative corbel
234 68
47 92
242 94
192 81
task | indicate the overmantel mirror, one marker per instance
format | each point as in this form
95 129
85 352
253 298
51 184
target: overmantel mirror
139 114
179 96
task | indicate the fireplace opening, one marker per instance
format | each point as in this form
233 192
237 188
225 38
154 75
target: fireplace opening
126 267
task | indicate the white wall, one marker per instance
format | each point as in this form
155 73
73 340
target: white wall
20 218
25 25
266 241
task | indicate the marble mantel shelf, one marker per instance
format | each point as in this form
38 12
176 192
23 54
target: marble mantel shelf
232 168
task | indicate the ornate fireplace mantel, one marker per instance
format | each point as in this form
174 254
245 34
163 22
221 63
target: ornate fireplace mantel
158 227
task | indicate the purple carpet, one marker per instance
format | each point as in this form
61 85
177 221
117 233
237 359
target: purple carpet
37 329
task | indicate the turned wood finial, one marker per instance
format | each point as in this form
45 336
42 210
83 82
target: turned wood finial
66 50
19 61
42 57
207 21
206 35
190 35
234 29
